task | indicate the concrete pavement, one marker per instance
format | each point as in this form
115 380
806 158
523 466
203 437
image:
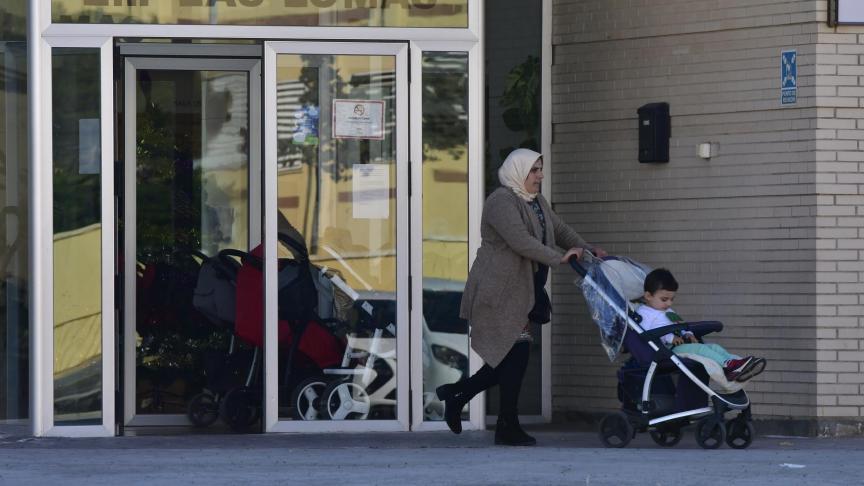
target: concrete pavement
561 457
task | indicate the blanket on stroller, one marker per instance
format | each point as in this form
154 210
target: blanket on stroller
718 383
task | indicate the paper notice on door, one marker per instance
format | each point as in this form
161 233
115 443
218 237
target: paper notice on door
360 119
371 191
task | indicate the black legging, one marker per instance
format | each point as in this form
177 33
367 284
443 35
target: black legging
507 375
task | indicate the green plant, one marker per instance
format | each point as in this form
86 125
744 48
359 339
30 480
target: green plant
521 98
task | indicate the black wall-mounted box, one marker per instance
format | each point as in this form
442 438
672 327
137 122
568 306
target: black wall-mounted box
655 127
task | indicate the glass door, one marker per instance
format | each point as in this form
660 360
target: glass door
336 213
191 219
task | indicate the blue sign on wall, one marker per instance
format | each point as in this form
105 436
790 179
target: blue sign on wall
788 77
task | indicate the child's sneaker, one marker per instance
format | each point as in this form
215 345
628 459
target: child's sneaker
734 367
753 368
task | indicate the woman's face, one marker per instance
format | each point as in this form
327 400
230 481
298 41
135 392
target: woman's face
535 177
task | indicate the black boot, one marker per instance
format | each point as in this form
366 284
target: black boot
509 432
454 401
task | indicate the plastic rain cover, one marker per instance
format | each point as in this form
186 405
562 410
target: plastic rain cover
608 286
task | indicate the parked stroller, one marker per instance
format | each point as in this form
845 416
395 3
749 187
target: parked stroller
659 391
224 369
328 366
173 336
229 293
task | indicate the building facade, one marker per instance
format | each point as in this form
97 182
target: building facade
765 234
143 142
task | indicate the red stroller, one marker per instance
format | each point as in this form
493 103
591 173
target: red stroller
312 347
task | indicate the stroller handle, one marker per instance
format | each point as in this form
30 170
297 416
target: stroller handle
574 262
577 265
297 248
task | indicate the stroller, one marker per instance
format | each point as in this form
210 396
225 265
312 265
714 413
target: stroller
651 398
214 298
175 339
317 368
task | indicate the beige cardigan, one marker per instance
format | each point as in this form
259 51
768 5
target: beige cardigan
499 292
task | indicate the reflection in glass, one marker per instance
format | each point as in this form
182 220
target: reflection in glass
192 189
14 281
445 223
345 13
337 210
77 237
513 85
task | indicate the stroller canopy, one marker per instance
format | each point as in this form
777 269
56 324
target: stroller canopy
609 285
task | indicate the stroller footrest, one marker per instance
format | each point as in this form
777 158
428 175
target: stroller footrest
737 400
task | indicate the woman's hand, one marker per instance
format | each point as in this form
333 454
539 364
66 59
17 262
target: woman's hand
577 252
599 252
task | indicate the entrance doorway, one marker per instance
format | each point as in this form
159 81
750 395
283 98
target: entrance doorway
224 144
193 201
191 192
266 161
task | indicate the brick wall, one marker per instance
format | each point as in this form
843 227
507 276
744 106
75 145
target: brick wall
840 217
740 231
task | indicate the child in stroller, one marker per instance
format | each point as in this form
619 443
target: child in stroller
660 287
660 392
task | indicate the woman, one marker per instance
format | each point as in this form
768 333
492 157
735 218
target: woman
520 239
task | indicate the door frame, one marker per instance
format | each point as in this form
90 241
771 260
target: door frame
42 237
271 353
477 406
131 65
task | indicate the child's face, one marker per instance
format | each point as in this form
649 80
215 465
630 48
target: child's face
660 300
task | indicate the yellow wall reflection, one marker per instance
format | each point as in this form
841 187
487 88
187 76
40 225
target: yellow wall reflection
77 299
445 215
363 250
362 264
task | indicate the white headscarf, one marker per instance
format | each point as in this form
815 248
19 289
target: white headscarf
515 170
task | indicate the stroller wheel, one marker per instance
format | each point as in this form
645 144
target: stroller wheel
710 433
666 436
739 433
616 430
203 410
345 400
239 409
306 399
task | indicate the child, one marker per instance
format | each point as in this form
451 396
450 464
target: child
660 287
